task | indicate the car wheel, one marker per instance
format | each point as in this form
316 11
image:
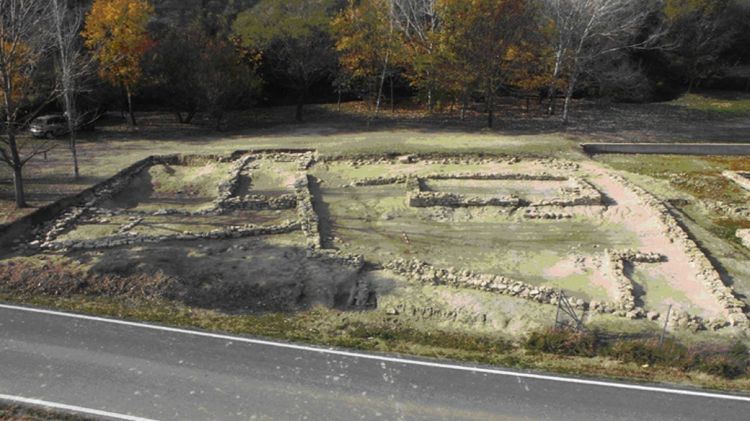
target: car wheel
49 135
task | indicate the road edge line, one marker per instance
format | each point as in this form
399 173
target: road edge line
383 358
70 408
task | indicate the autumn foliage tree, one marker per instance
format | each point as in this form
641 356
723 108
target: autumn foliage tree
480 39
367 44
115 30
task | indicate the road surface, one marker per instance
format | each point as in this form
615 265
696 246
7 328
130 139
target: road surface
122 370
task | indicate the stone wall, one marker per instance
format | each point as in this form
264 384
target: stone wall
707 274
129 238
625 299
424 273
744 236
308 218
261 202
428 199
742 179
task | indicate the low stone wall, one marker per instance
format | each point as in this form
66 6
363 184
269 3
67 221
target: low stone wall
380 181
424 273
742 179
579 193
228 188
495 176
535 213
308 218
261 202
127 239
707 274
744 236
616 261
422 199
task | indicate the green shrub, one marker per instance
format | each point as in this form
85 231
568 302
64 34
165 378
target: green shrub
563 342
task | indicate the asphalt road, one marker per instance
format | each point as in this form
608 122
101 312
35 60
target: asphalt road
168 374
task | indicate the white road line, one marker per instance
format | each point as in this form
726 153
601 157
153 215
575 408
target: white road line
72 408
397 360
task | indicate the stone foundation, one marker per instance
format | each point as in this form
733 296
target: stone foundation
707 274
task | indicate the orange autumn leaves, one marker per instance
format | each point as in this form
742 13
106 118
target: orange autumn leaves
116 32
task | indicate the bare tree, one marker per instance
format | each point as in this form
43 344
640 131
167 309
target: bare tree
418 23
23 41
587 29
73 65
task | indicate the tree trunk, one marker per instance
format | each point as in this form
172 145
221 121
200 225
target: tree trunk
464 105
380 85
129 96
300 104
338 100
219 118
18 186
568 98
747 85
393 106
72 119
179 117
553 84
189 117
490 97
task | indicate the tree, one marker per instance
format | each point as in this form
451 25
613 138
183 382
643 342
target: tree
367 45
73 66
199 69
293 38
226 76
116 32
479 38
699 31
418 24
23 41
584 30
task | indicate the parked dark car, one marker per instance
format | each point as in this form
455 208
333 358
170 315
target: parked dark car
49 126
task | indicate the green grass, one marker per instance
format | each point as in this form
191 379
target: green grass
731 106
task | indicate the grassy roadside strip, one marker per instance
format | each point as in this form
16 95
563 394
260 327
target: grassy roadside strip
323 326
13 412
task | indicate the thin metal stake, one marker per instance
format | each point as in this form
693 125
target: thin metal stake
664 330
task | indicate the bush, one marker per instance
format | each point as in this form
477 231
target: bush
670 354
730 363
563 342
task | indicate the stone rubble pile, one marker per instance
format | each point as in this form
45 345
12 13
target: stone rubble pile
424 273
707 274
535 213
428 312
58 226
